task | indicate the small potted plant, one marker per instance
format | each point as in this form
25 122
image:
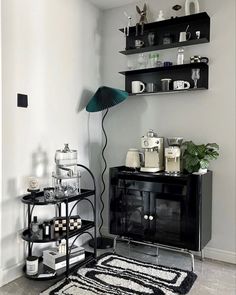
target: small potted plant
197 157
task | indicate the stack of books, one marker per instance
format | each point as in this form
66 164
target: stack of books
56 260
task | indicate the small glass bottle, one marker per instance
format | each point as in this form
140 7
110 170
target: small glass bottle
46 229
62 247
151 60
156 59
180 56
35 229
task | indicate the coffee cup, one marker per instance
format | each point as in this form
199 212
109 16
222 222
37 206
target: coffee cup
138 87
151 87
138 43
167 64
165 84
181 85
184 36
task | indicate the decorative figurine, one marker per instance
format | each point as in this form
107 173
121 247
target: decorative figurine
143 18
126 29
176 8
160 16
188 9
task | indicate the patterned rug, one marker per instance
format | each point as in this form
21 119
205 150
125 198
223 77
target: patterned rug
118 275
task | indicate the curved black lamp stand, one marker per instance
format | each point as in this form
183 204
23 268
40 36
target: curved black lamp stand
102 242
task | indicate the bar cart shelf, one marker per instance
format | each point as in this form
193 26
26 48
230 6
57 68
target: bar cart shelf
37 199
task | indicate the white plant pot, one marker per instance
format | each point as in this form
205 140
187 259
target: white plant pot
200 171
196 8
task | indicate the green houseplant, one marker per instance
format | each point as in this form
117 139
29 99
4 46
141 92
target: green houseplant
197 157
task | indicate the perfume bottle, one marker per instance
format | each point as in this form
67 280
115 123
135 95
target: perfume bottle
35 229
46 229
180 56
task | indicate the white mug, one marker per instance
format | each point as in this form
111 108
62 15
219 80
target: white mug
180 85
139 43
133 158
138 87
184 36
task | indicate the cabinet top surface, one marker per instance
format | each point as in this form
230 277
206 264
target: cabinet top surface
127 173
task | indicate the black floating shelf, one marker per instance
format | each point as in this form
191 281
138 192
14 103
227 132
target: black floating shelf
168 92
198 17
89 257
86 225
169 68
38 198
165 46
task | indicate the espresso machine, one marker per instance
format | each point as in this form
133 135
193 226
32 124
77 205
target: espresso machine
173 155
153 152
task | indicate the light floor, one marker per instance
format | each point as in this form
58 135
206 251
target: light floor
214 278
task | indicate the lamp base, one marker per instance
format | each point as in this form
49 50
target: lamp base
102 243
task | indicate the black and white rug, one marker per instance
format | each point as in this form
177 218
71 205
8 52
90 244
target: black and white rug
118 275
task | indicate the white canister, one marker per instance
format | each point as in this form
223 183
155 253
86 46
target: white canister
32 265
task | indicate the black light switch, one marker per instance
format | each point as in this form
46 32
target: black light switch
22 100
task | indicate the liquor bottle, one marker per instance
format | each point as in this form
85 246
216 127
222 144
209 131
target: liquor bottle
35 229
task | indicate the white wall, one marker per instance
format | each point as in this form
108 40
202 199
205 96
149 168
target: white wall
0 124
204 116
51 52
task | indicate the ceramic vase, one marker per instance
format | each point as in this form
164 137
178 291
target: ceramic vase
188 4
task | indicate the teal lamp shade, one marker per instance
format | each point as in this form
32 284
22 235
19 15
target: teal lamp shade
105 98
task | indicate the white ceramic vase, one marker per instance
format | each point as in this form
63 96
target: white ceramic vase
196 8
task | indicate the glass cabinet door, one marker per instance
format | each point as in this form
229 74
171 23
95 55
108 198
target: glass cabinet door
168 223
133 213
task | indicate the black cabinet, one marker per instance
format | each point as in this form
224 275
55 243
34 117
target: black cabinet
159 208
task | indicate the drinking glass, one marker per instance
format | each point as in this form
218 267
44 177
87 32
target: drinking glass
142 61
151 39
195 76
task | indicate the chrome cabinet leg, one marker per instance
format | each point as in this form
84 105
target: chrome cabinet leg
202 255
114 244
129 247
192 260
157 254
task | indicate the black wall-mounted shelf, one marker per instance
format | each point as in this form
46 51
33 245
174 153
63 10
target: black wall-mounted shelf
167 92
175 72
200 65
178 21
165 46
196 22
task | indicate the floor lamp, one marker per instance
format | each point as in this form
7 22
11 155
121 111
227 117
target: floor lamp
103 99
